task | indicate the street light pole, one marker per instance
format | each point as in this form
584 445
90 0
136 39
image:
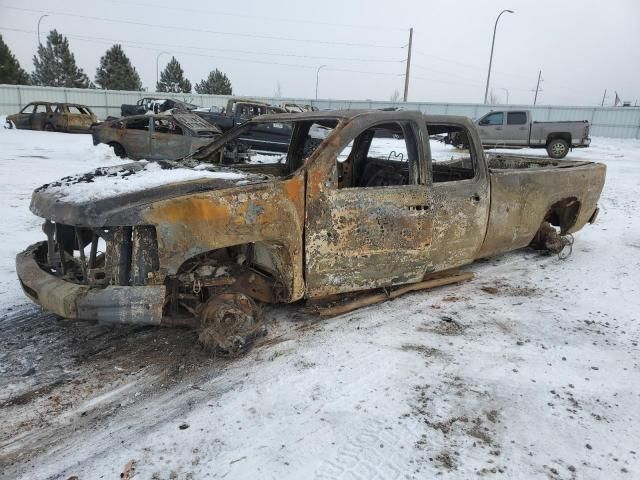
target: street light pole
493 41
317 78
39 20
157 68
507 91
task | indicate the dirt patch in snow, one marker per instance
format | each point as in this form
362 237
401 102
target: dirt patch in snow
505 289
446 325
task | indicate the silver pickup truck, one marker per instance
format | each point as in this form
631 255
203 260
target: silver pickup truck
514 129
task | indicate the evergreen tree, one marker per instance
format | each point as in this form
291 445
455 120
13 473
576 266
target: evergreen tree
216 84
56 65
10 71
172 79
116 71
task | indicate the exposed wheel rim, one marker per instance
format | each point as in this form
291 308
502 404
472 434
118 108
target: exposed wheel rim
558 148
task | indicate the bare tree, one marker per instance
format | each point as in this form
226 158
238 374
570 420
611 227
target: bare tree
395 97
278 92
494 99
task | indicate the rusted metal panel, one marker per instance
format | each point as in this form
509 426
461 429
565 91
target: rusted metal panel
156 137
141 305
271 213
521 198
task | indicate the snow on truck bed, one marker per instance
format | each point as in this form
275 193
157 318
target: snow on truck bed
529 371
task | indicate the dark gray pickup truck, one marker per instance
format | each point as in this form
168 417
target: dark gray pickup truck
515 129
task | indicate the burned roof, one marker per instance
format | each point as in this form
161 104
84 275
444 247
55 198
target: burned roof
194 122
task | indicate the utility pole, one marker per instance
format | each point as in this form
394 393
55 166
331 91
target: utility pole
535 99
603 97
406 75
493 41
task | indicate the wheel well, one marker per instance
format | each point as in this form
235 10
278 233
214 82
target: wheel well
563 214
245 262
566 136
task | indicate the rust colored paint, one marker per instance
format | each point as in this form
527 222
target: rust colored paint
272 214
57 117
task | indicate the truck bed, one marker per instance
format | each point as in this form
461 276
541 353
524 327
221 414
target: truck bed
497 163
500 163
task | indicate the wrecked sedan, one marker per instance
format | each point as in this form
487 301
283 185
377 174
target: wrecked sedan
155 137
170 243
53 117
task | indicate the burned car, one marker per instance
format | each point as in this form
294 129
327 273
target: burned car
199 244
53 117
149 105
155 137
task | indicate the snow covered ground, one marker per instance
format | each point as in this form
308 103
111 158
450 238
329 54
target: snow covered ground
531 370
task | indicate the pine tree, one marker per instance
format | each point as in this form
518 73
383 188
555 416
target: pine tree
217 83
10 71
172 79
56 65
116 71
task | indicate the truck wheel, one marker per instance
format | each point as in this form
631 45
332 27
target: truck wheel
558 148
118 149
48 128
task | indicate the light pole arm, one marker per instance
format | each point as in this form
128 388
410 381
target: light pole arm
39 20
317 78
493 41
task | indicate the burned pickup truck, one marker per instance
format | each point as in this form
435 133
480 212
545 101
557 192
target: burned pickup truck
198 243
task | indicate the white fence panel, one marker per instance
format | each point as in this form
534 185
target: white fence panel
606 121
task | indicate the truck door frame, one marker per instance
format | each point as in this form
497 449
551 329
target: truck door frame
492 134
360 238
516 133
461 207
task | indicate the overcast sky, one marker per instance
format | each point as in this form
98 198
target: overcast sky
582 46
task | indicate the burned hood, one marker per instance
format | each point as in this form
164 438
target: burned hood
112 196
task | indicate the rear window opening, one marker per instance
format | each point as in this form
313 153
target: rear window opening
452 155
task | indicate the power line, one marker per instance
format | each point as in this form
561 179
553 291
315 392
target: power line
250 52
261 18
468 65
200 30
245 60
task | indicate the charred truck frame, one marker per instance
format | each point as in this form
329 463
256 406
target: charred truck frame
326 219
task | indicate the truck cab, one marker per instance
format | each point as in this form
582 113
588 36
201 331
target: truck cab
504 128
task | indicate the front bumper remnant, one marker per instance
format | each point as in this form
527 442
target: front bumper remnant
111 304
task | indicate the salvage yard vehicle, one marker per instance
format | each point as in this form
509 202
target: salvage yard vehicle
53 117
154 105
515 129
272 137
198 243
155 137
